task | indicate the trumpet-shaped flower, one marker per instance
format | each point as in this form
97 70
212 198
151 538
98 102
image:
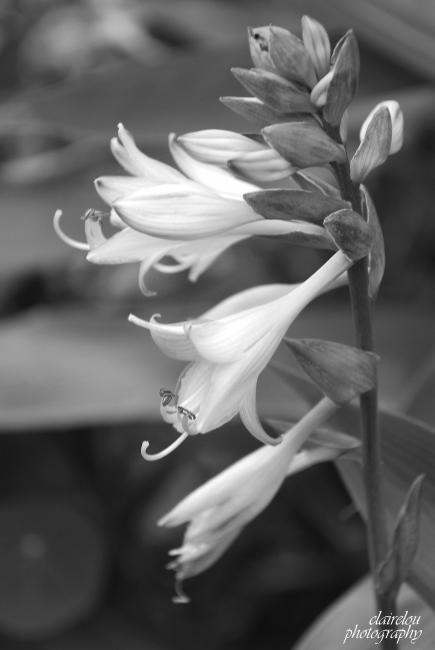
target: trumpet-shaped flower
218 510
228 347
163 213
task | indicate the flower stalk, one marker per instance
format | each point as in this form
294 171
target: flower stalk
377 532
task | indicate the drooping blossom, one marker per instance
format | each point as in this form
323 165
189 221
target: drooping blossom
228 347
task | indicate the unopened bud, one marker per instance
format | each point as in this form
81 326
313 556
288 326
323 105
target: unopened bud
377 249
253 109
290 58
304 144
275 91
344 82
316 41
350 233
340 371
217 146
375 146
265 165
293 204
396 123
320 91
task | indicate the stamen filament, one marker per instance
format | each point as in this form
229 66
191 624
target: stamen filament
164 452
74 243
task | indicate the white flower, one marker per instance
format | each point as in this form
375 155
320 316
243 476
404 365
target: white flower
252 158
228 347
218 510
163 213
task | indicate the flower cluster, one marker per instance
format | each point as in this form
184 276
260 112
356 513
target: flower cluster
284 181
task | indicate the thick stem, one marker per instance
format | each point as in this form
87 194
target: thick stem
377 531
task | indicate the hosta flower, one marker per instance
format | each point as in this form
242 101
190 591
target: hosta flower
397 123
248 156
218 510
162 213
228 347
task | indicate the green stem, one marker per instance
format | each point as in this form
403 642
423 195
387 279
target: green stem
377 532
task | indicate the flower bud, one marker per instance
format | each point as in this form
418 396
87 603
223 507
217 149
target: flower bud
261 166
377 249
217 146
350 233
375 147
275 91
316 41
293 204
340 371
252 109
344 82
396 124
320 91
303 144
290 58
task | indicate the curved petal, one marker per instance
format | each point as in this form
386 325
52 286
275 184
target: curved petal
171 339
128 245
217 146
249 417
182 212
220 180
137 163
111 188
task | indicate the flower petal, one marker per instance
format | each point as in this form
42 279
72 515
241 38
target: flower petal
249 417
219 180
171 339
111 188
182 211
137 163
216 146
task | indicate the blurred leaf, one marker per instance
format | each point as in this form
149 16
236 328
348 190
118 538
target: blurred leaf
357 607
397 565
408 448
52 562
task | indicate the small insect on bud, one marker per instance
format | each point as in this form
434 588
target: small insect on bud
396 115
259 47
316 41
375 146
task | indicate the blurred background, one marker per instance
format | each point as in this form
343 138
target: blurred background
81 558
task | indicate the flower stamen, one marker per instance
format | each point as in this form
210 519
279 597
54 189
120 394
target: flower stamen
74 243
164 452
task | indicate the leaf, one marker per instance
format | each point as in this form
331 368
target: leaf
397 565
293 204
356 608
340 371
408 449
